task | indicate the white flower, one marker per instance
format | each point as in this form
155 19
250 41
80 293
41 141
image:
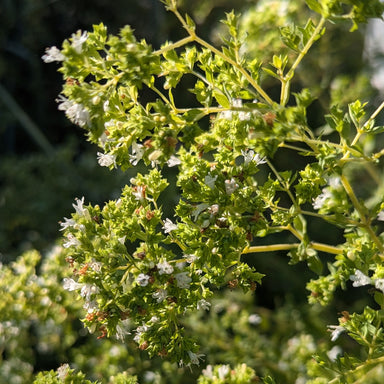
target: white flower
96 265
67 224
380 215
106 106
223 371
169 226
72 241
91 306
139 193
164 268
322 198
230 186
142 280
208 372
62 372
137 153
334 182
87 290
214 209
254 319
70 284
334 352
160 295
80 210
203 304
194 357
190 258
122 329
78 40
106 159
250 155
210 181
359 279
52 54
139 331
379 284
183 280
336 331
75 112
173 160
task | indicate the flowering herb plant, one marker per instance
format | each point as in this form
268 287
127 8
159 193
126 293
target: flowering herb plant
139 272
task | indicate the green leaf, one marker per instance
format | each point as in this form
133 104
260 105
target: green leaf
315 6
271 73
221 98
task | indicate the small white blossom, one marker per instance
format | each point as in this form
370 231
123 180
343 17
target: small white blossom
190 258
52 54
210 181
208 372
87 290
62 372
203 304
91 306
250 155
380 215
75 112
67 224
214 209
334 182
106 159
173 161
139 331
359 279
337 330
194 357
149 376
183 280
169 226
160 295
72 241
223 371
139 193
322 198
70 284
230 186
106 106
164 268
142 280
78 40
122 329
96 265
379 284
254 319
137 153
80 210
334 352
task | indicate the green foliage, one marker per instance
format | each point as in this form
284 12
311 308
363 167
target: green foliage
152 277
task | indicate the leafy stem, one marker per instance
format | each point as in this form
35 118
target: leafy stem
286 80
360 208
202 42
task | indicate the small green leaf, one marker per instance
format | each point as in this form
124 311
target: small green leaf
221 98
315 6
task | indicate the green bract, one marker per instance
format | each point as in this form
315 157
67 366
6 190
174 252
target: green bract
140 271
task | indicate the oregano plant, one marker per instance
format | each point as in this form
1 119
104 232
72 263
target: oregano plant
198 124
